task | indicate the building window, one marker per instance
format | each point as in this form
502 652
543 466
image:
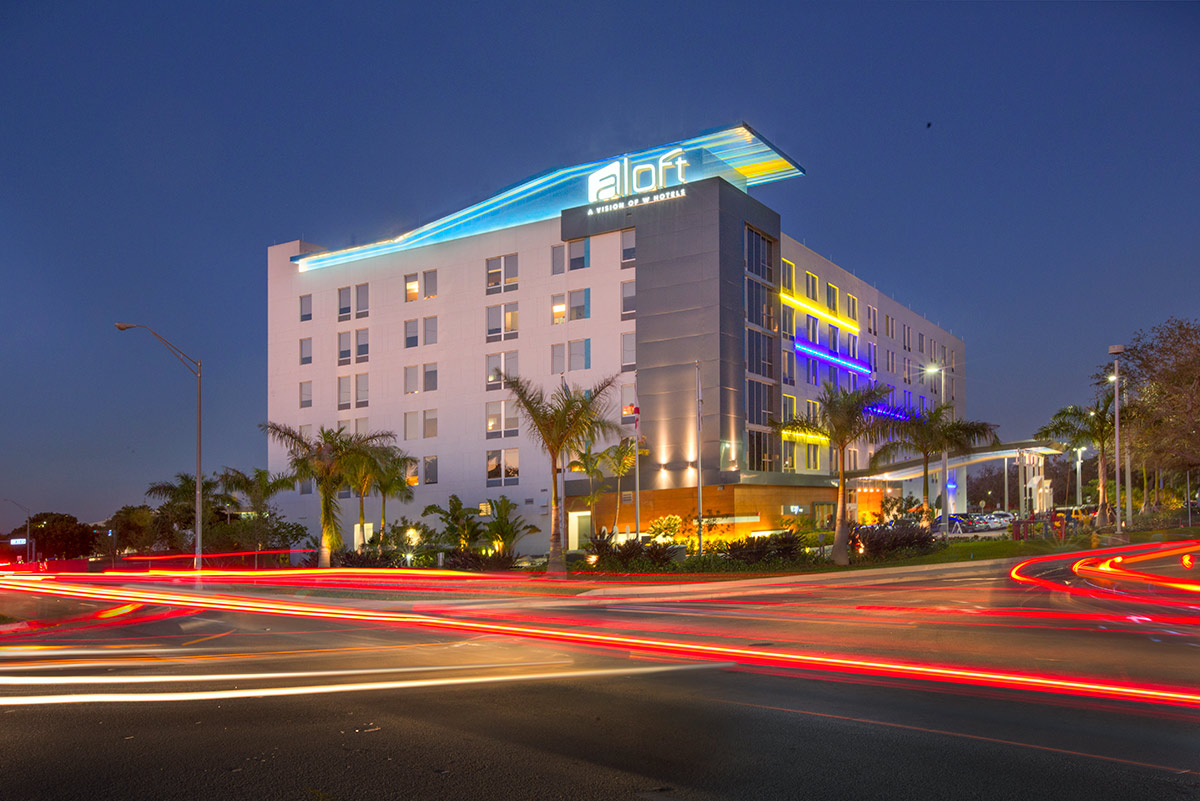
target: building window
889 325
787 275
510 321
343 347
760 353
557 259
501 419
579 354
360 425
410 474
812 410
361 386
872 320
907 370
810 372
628 403
343 303
501 274
873 355
430 330
579 304
852 381
920 342
812 329
306 351
500 365
305 394
502 322
834 378
831 297
760 304
431 476
789 408
411 380
362 300
852 307
907 330
410 426
628 352
430 277
558 359
430 429
580 256
412 290
558 309
761 450
628 247
921 404
810 286
758 256
503 468
852 345
891 361
343 392
306 486
812 457
789 456
789 367
305 308
788 315
431 377
628 300
852 459
362 348
835 339
410 334
306 431
760 403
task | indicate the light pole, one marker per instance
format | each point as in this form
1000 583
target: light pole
935 368
28 539
1079 476
193 365
1115 351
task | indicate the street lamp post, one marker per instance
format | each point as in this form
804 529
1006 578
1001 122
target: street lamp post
28 540
193 365
935 368
1079 476
1115 351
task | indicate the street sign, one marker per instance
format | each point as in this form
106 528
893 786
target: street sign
17 541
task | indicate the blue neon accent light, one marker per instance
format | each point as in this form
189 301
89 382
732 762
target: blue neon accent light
738 154
888 411
833 358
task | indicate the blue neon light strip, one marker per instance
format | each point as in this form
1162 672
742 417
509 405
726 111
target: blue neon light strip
884 411
833 358
738 154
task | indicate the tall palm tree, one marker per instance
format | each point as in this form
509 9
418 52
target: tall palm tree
589 462
1092 426
843 418
325 458
363 471
620 459
391 481
257 488
563 422
933 431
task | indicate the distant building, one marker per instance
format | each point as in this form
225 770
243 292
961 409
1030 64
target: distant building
641 266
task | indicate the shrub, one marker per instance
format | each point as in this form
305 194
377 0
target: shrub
898 538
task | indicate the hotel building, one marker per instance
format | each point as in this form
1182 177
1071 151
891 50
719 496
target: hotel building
656 266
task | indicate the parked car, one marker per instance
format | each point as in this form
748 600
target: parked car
1001 519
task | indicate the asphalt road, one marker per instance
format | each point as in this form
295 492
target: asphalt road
485 716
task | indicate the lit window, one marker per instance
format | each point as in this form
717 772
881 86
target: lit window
852 307
305 308
430 423
430 277
580 304
306 351
789 407
628 351
305 394
510 272
494 276
787 275
501 419
362 300
579 354
503 468
628 245
360 390
628 402
344 303
789 323
412 290
410 474
362 347
812 329
812 457
580 255
510 320
558 309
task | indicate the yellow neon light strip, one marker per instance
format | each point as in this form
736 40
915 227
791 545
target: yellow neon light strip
818 311
815 438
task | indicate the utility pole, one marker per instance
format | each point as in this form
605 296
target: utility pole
699 466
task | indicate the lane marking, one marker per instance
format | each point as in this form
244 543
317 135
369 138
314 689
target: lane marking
209 637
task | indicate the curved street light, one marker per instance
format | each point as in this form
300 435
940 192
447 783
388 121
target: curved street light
193 366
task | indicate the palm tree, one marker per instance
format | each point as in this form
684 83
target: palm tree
619 459
1091 425
459 520
563 422
178 508
257 488
364 470
506 527
843 418
325 458
391 481
589 461
933 431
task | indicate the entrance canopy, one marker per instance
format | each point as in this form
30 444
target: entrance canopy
912 468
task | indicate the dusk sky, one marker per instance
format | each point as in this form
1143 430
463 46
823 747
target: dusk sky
1025 175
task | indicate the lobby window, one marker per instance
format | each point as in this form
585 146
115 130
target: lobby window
580 255
852 307
831 297
810 286
412 383
410 334
343 342
558 309
812 329
412 289
579 354
431 470
430 330
306 351
501 419
758 256
362 300
558 359
628 403
789 323
343 303
431 377
558 259
835 339
628 300
430 278
498 366
305 308
789 367
430 427
305 394
579 305
410 426
787 275
628 247
628 352
503 468
362 347
343 392
361 390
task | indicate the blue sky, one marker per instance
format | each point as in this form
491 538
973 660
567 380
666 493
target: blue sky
152 152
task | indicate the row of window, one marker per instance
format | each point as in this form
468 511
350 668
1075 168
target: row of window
503 469
362 300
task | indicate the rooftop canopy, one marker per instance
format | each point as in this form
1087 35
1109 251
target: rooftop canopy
904 471
738 154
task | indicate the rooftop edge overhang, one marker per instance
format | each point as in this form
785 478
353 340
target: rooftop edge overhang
738 153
